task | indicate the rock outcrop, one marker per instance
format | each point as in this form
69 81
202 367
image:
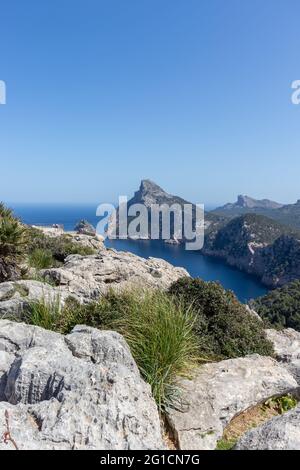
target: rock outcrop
89 277
85 228
81 391
16 296
280 433
86 278
89 240
219 391
287 349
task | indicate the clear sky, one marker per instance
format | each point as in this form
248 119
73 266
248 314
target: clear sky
194 94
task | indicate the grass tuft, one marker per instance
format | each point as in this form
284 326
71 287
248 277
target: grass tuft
159 332
46 314
41 259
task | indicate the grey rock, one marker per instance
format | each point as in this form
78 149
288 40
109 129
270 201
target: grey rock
286 345
279 433
89 277
219 391
85 228
16 296
90 240
82 391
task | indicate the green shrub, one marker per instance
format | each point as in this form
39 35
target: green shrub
282 404
59 247
224 327
281 307
41 259
5 212
12 245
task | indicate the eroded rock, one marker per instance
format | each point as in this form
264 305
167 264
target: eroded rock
279 433
82 391
89 277
16 296
219 391
287 349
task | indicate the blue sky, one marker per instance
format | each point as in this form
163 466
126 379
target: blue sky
194 94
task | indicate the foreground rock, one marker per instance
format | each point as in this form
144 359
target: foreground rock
287 349
89 277
220 391
280 433
82 391
16 296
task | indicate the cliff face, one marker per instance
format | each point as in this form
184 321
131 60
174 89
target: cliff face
259 246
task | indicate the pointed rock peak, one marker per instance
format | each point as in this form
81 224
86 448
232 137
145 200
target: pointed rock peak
242 200
149 186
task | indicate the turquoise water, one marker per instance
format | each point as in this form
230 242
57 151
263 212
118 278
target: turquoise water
210 269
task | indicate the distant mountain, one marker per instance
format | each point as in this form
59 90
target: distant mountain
150 193
288 214
244 203
258 245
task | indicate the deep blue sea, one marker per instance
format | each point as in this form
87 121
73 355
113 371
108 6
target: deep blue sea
245 286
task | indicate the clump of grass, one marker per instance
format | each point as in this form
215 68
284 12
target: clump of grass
46 314
41 259
159 332
161 338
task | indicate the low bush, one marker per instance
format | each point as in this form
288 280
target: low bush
281 307
224 327
59 247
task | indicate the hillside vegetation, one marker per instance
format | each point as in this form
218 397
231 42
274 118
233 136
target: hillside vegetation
281 307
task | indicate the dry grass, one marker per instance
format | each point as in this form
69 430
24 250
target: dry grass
252 418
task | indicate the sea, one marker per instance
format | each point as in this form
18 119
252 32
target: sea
245 286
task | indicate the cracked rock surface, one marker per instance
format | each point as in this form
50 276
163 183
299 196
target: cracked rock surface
280 433
219 391
286 345
16 296
80 391
88 277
